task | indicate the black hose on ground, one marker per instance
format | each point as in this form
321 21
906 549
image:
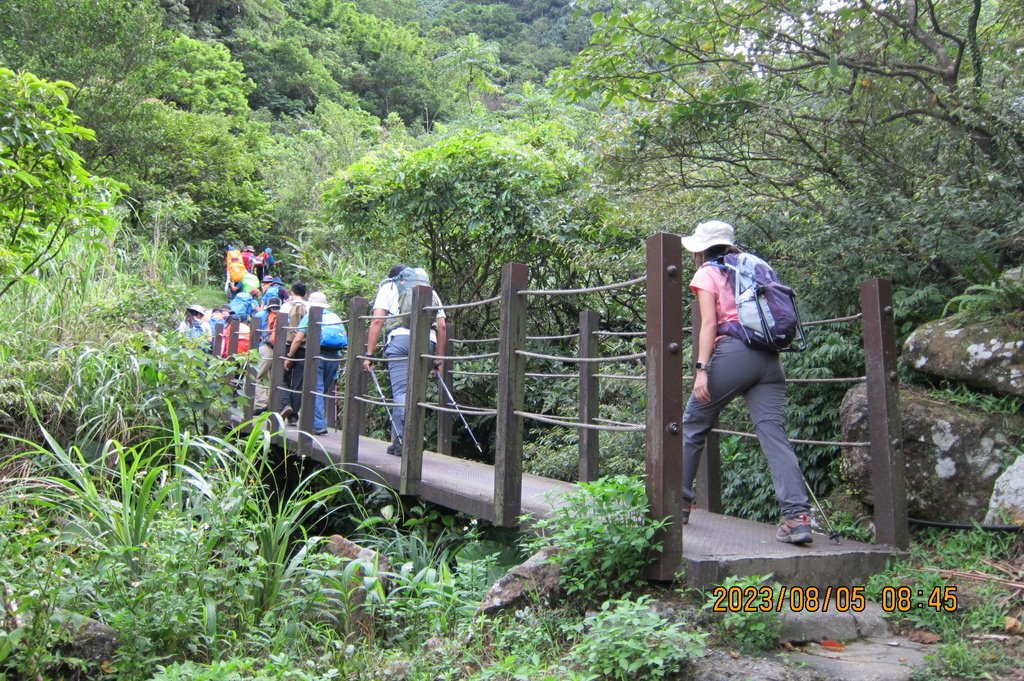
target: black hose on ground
965 526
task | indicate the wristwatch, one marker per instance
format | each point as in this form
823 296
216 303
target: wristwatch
700 366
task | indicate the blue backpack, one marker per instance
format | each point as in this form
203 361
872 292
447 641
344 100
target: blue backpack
768 315
332 332
242 305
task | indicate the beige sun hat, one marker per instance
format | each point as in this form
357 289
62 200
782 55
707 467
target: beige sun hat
708 234
317 299
199 309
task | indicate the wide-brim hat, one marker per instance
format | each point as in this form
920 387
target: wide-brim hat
249 248
198 309
317 299
708 234
268 279
273 303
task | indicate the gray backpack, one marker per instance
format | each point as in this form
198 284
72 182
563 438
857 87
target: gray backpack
406 280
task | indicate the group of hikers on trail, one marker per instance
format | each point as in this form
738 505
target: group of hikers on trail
746 318
268 306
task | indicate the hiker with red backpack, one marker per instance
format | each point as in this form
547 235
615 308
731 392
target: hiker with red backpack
247 255
737 348
263 262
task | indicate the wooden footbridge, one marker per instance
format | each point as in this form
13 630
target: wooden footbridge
712 546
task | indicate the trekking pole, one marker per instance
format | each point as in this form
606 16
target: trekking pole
451 400
398 436
833 533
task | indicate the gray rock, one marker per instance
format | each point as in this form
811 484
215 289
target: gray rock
718 665
894 659
953 453
533 581
92 640
357 619
1008 496
988 355
833 625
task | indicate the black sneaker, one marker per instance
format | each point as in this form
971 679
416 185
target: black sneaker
292 422
395 449
684 516
795 531
322 431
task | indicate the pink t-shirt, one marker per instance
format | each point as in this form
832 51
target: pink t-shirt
716 281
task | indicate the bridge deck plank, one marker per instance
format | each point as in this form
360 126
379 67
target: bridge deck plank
714 546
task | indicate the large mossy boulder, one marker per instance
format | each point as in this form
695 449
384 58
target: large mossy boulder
953 454
986 355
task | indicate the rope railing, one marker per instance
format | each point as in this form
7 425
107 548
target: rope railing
461 358
463 372
548 338
583 360
622 334
621 377
463 409
851 379
837 320
580 291
371 317
462 306
559 421
385 360
825 443
471 341
379 403
613 422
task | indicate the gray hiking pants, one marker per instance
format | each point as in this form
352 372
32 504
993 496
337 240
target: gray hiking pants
736 369
398 346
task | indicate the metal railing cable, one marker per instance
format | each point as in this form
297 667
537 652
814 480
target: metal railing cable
825 443
613 422
469 411
562 421
462 306
401 315
582 360
575 291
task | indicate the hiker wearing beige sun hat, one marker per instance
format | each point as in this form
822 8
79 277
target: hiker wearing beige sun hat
195 324
725 368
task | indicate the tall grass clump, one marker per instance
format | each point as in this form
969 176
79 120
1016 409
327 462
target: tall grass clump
183 543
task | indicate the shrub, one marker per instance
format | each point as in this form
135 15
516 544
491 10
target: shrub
631 640
604 537
751 632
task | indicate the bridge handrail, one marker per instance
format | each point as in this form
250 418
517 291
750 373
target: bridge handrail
463 409
824 443
564 421
463 306
576 291
582 360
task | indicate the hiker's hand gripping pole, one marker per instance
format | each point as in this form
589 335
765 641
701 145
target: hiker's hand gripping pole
376 383
455 405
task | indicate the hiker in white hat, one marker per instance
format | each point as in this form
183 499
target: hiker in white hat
195 324
726 367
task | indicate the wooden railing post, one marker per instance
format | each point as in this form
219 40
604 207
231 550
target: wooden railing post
355 381
445 420
277 367
410 478
589 394
233 337
709 472
218 338
309 372
888 475
508 458
664 396
249 382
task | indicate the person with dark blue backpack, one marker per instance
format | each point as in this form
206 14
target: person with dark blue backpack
732 360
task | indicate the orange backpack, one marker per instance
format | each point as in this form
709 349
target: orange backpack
236 266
